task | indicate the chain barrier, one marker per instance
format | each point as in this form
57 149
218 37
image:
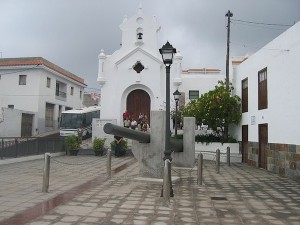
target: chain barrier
74 164
80 169
186 171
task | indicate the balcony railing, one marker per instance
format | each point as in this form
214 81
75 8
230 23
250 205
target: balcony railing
61 95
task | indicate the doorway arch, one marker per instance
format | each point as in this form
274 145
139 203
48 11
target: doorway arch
138 101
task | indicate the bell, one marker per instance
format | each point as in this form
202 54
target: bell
140 36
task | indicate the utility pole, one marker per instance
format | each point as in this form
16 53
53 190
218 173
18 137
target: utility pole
228 14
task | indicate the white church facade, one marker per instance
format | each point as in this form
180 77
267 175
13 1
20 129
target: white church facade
133 78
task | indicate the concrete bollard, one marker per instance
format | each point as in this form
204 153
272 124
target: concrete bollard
200 169
228 156
167 183
108 164
46 173
218 161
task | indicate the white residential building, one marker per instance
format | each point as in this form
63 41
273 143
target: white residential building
268 83
38 91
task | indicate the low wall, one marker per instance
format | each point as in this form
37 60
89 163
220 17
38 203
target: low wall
283 159
209 151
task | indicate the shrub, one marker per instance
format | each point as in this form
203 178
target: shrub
178 136
217 108
98 143
208 138
72 142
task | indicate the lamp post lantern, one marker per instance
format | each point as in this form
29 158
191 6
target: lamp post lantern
167 52
176 95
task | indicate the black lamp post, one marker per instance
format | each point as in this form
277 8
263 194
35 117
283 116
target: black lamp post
167 52
176 95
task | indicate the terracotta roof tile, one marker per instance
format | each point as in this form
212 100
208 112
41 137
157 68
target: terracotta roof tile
208 70
39 61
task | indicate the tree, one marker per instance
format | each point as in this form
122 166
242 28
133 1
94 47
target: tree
217 108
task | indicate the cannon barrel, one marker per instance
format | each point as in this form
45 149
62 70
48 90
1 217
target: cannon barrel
126 132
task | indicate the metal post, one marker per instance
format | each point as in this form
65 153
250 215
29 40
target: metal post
46 172
16 147
2 149
108 165
167 183
200 169
176 105
167 151
228 14
228 156
218 161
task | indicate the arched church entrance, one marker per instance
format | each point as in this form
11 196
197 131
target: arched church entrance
138 101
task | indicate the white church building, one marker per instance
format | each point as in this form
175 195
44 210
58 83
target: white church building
133 78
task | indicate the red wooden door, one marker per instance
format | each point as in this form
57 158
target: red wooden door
138 101
245 143
263 141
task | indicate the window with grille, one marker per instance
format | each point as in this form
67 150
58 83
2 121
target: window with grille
193 94
245 95
72 91
49 115
138 67
262 89
22 79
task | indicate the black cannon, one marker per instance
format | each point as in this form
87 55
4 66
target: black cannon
126 132
176 145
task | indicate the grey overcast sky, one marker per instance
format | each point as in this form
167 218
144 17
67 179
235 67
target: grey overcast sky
71 33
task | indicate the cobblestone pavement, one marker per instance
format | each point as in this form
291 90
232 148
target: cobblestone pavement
238 195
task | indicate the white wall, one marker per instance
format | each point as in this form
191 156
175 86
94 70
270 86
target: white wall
10 126
281 57
201 82
122 79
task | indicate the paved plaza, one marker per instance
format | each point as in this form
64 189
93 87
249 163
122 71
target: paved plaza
81 193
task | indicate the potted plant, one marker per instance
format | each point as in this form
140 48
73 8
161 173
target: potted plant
98 145
73 144
123 146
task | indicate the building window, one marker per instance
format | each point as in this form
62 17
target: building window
49 115
193 94
48 82
262 89
80 94
72 91
22 79
138 67
245 95
11 106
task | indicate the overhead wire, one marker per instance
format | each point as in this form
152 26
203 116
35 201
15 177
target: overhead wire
259 26
260 23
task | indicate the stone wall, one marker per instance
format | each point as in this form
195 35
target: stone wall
283 159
